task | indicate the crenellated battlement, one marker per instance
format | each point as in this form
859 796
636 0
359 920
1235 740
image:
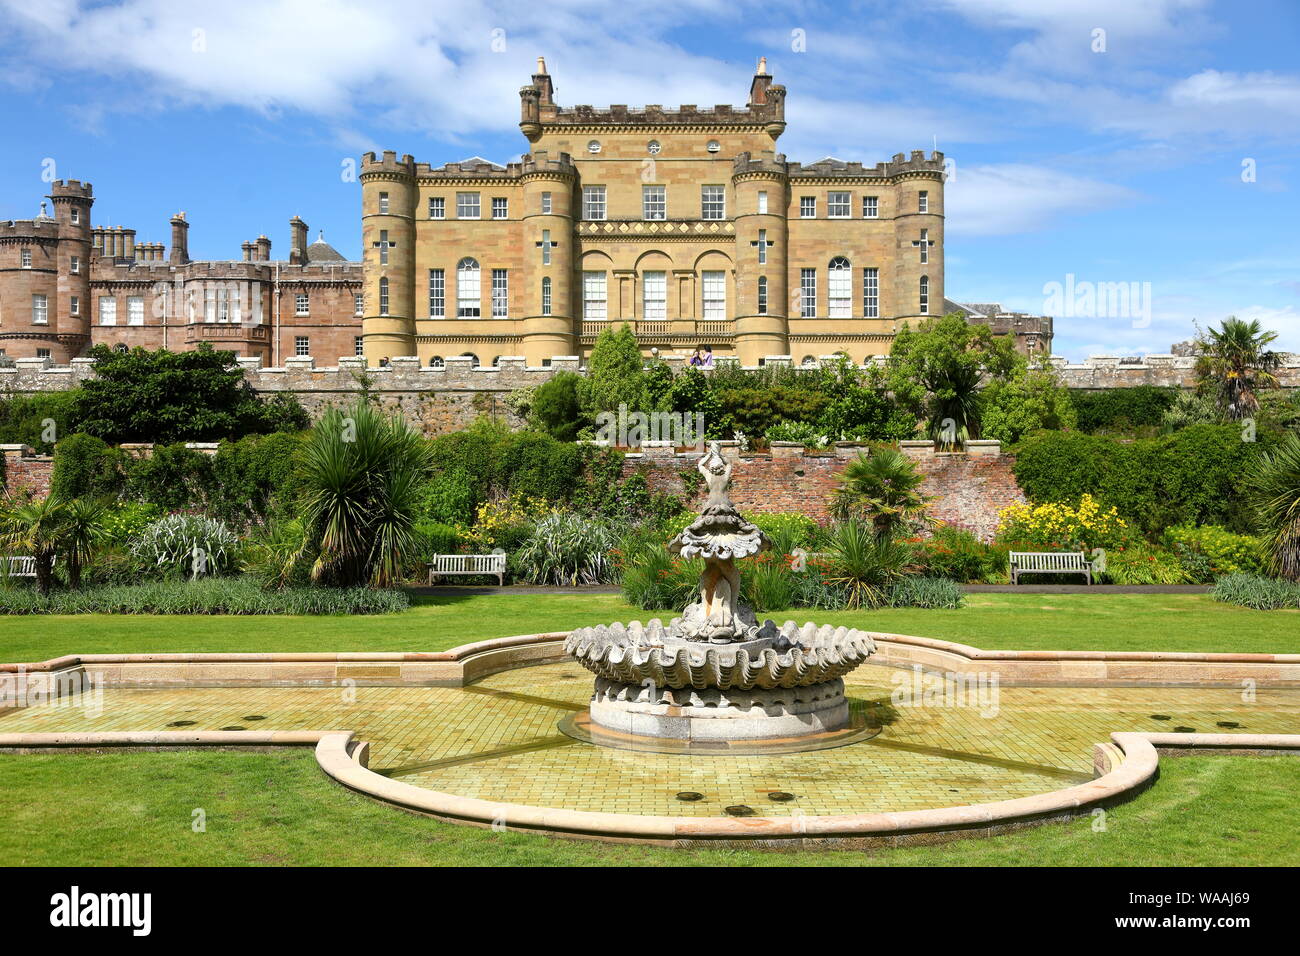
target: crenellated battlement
688 114
70 189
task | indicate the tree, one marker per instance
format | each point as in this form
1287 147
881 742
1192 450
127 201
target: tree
937 370
163 396
883 489
1274 490
556 407
83 525
1235 363
1029 401
36 527
615 373
362 474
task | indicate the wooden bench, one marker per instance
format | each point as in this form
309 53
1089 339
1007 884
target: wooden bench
463 564
1049 562
18 566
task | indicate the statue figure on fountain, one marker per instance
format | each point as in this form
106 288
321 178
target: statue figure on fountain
719 535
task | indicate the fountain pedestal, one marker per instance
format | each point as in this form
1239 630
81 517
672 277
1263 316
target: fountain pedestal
715 674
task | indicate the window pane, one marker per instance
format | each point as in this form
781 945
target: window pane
808 292
713 202
594 296
837 205
468 293
715 295
655 295
871 293
593 202
807 207
467 206
654 202
839 289
500 293
870 207
437 294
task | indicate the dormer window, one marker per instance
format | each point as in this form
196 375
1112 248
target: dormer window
593 146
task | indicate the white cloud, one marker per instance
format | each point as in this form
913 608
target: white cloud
1018 197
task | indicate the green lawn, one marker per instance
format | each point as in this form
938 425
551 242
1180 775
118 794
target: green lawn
1157 622
278 809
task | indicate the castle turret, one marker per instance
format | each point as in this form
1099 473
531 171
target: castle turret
388 200
918 235
72 201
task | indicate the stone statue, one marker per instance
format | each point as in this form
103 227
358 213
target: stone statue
719 535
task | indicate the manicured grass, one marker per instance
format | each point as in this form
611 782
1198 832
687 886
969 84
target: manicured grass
1156 622
278 809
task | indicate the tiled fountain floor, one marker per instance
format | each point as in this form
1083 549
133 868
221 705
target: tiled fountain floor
497 740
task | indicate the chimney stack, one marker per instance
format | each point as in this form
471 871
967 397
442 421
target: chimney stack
263 245
246 248
180 240
297 242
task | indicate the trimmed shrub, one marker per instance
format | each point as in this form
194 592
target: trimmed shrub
85 467
1122 409
1254 591
204 596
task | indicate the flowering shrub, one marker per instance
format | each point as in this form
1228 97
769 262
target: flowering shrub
504 523
1060 527
1143 564
1210 551
124 521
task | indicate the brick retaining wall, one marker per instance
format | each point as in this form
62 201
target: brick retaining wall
969 487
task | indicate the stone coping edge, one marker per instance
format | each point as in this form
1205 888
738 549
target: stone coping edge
1126 766
463 652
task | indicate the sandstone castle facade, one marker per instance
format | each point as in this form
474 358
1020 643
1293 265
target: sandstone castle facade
685 223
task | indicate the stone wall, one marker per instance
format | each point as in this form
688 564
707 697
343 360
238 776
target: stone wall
969 487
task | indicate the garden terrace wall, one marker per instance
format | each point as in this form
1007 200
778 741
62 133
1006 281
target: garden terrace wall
24 470
969 488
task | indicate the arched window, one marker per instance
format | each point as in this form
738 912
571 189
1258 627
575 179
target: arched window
496 361
925 296
383 296
474 363
436 362
468 293
546 295
839 288
762 295
808 361
120 347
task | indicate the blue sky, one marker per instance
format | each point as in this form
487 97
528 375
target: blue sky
1119 156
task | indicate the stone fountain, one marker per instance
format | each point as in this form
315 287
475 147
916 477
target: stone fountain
715 674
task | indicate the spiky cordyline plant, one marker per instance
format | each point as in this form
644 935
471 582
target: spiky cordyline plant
363 471
865 566
1274 489
35 527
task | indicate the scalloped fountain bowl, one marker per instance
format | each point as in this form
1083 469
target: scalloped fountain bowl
783 684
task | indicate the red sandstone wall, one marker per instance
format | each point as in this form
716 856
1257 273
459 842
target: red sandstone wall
969 490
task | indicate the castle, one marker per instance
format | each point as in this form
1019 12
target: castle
684 223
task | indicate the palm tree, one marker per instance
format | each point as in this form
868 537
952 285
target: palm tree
1235 363
363 471
882 489
1274 489
82 528
36 527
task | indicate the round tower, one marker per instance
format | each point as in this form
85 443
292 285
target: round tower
71 319
548 273
388 204
760 186
918 285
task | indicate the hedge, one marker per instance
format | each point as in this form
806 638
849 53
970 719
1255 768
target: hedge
1192 476
1122 408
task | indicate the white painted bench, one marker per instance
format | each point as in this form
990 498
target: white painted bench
18 566
463 564
1049 562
